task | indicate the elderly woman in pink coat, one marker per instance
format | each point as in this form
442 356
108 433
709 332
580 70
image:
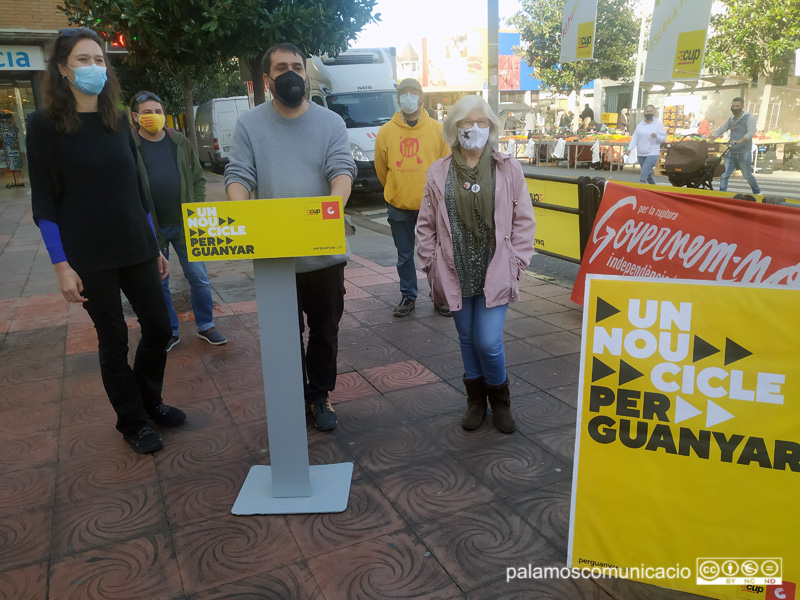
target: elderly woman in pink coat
476 230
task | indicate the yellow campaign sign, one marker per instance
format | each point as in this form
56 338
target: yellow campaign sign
689 54
556 231
275 228
585 43
687 457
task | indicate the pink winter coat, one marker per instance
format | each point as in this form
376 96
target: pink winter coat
514 232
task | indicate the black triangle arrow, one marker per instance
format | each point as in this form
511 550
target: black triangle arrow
192 232
600 369
627 373
734 352
200 232
189 212
228 240
702 349
604 310
230 221
220 241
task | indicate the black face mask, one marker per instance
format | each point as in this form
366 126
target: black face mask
648 116
290 88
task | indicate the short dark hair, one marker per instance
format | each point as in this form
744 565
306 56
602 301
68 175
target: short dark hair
737 99
144 96
266 62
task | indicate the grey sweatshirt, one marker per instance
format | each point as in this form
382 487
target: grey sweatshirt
291 158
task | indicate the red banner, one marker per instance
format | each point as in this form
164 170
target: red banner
644 233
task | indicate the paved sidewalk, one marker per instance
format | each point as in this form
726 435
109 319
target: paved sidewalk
434 511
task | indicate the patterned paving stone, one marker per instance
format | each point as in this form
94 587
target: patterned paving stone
98 521
140 568
368 515
25 583
26 537
292 581
476 545
433 490
396 566
227 549
400 375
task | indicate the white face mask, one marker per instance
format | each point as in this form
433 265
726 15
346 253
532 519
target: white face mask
473 138
409 103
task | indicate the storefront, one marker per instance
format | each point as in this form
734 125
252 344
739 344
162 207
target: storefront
21 61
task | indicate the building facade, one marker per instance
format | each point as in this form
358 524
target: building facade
27 31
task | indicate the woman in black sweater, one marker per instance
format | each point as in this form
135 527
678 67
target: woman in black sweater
89 206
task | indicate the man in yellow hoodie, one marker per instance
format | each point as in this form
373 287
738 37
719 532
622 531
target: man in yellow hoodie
404 149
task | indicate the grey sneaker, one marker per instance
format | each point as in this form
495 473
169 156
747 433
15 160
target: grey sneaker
173 341
404 308
145 440
323 413
212 336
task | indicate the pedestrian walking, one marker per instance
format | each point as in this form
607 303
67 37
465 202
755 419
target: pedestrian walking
646 140
742 126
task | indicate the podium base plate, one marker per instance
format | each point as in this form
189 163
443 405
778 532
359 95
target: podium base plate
330 490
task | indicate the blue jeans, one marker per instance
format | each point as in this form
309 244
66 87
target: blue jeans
648 163
735 161
195 273
480 332
403 224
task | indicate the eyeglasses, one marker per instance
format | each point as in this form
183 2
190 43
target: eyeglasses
468 123
72 31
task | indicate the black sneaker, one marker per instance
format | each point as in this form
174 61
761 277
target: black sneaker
168 416
404 308
173 341
212 336
323 413
145 440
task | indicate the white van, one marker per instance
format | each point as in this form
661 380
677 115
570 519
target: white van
359 85
215 122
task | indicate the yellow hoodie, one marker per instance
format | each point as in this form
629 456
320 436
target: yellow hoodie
403 155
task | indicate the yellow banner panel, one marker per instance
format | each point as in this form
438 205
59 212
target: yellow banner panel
275 228
689 54
688 446
553 192
557 232
585 42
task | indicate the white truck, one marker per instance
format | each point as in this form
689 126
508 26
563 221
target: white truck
360 86
215 122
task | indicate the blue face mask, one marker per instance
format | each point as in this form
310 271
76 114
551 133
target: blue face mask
90 80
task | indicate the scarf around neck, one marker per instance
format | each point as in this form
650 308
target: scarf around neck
473 189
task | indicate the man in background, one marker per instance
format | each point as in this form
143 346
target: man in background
171 176
404 149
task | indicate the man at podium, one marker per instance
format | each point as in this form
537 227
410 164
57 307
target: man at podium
292 148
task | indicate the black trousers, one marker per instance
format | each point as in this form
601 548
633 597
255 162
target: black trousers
320 295
133 392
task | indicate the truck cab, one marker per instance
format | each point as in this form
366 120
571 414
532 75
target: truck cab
360 86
